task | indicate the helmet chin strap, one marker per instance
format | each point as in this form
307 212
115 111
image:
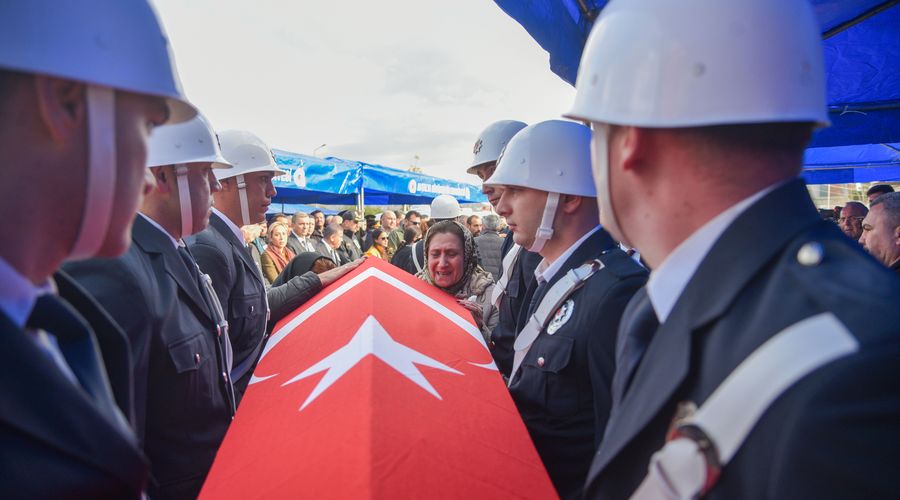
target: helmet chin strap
184 200
600 158
545 232
101 173
242 194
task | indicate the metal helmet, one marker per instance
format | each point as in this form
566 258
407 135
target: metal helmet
657 63
108 45
248 154
182 145
491 142
552 156
444 206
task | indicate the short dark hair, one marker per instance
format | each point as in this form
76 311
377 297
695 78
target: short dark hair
332 229
473 216
411 233
411 214
314 212
880 189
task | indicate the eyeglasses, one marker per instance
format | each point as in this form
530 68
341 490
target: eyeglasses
845 219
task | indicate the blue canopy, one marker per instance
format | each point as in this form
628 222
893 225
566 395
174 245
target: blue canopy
334 181
861 41
292 208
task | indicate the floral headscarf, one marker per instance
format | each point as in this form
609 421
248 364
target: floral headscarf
474 279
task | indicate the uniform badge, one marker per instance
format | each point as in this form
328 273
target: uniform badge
561 317
477 148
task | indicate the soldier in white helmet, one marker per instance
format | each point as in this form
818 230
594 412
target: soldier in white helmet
750 366
564 353
245 195
183 398
518 264
82 86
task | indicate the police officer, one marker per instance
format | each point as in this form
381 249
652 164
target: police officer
517 271
183 397
245 195
78 102
565 352
751 367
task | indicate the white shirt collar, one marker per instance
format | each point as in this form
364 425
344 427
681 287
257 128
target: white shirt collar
545 272
175 243
234 229
18 295
669 279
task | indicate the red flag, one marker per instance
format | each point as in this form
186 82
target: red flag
380 386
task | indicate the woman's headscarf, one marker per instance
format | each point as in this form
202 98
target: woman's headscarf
474 279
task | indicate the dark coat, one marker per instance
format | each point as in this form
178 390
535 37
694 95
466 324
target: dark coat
183 402
403 259
298 247
350 248
835 433
490 252
563 387
512 302
56 441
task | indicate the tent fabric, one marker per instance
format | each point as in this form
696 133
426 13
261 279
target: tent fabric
335 181
861 44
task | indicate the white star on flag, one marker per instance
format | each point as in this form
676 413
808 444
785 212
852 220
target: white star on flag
371 338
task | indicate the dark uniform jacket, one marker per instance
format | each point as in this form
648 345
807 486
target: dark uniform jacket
835 433
183 395
403 258
562 390
512 303
56 440
350 248
242 292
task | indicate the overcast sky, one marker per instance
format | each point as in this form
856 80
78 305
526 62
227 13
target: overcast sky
377 81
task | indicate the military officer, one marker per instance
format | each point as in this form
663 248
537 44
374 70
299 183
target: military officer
245 195
564 354
517 271
750 366
78 103
183 398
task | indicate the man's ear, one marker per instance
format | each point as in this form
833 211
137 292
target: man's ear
570 203
164 177
227 185
632 144
62 105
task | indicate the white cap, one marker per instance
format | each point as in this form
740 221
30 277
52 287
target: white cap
193 141
444 206
659 63
552 156
248 153
491 142
111 43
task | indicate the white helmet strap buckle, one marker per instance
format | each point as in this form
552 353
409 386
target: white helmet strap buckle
242 194
545 231
184 200
101 175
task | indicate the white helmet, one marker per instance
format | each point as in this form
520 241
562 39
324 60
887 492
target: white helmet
658 63
552 156
491 142
444 206
107 44
184 144
248 153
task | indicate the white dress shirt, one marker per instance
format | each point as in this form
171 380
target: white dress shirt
669 279
234 229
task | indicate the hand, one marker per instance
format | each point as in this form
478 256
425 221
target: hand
475 309
332 275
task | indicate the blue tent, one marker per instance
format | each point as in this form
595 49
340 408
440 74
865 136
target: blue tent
333 181
862 48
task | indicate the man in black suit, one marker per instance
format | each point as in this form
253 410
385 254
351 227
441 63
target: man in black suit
330 242
298 239
220 251
351 248
74 151
565 352
750 366
184 399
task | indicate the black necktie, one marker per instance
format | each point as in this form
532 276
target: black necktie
634 338
82 355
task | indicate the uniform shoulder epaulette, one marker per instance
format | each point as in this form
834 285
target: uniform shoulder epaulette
620 264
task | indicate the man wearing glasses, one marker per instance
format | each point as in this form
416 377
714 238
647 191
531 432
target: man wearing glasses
851 219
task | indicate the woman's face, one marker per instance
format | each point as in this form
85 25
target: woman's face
382 240
445 259
278 236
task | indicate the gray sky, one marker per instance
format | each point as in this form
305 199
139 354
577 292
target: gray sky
377 81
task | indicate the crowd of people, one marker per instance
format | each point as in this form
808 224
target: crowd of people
670 313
